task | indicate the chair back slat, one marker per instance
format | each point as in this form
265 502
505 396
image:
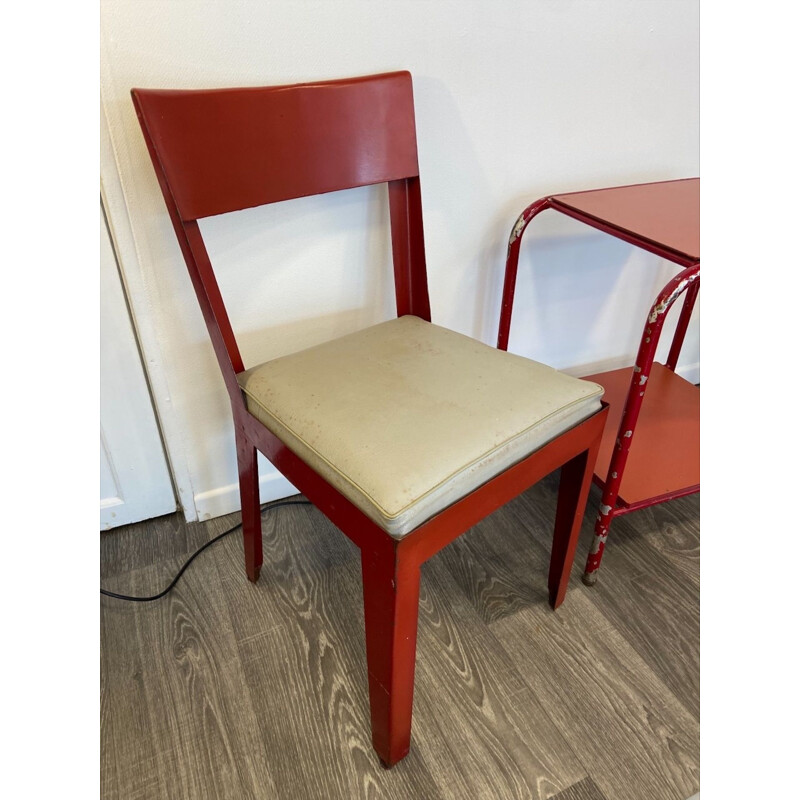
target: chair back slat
221 150
225 150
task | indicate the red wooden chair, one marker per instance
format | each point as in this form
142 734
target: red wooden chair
404 434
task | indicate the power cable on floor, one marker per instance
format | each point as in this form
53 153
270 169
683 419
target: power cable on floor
130 598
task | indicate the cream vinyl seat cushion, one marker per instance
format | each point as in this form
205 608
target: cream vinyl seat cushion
405 418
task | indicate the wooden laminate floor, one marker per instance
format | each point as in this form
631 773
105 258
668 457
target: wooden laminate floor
225 689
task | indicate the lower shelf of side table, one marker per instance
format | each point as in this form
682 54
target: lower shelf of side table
664 460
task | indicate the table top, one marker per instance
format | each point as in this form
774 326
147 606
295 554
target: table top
662 217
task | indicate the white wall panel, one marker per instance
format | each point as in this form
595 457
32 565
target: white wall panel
514 101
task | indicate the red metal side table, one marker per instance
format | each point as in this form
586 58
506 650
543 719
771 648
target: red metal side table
651 445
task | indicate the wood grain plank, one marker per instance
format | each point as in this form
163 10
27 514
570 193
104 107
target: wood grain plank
265 685
298 661
476 724
478 727
515 751
304 555
193 685
651 596
634 737
482 564
648 596
109 760
133 547
583 790
673 530
665 629
136 546
511 549
129 769
472 705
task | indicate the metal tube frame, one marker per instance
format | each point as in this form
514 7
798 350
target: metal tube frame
688 281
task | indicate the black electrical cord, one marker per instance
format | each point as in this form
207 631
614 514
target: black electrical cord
268 507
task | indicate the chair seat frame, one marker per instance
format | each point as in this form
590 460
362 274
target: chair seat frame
390 566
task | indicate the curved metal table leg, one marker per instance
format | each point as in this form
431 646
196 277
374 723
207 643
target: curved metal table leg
685 280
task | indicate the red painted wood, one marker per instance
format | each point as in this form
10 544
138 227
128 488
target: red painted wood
408 249
251 506
203 282
665 215
390 609
337 112
391 602
665 450
224 150
210 290
221 150
573 491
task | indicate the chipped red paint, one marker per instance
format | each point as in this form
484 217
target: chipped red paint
512 261
683 324
688 281
633 405
593 562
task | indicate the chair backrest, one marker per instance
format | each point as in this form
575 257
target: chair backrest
221 150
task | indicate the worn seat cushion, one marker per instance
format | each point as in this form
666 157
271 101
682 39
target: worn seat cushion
404 418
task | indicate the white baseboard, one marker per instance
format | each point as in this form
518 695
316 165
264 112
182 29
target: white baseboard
225 499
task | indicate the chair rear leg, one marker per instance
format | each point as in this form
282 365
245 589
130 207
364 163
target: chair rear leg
251 509
573 490
391 604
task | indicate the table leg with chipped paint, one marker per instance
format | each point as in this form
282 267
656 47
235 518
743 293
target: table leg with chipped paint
687 280
662 218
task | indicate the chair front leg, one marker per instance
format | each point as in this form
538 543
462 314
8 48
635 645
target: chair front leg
391 605
251 508
573 491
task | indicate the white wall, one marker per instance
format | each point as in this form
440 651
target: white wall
513 100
